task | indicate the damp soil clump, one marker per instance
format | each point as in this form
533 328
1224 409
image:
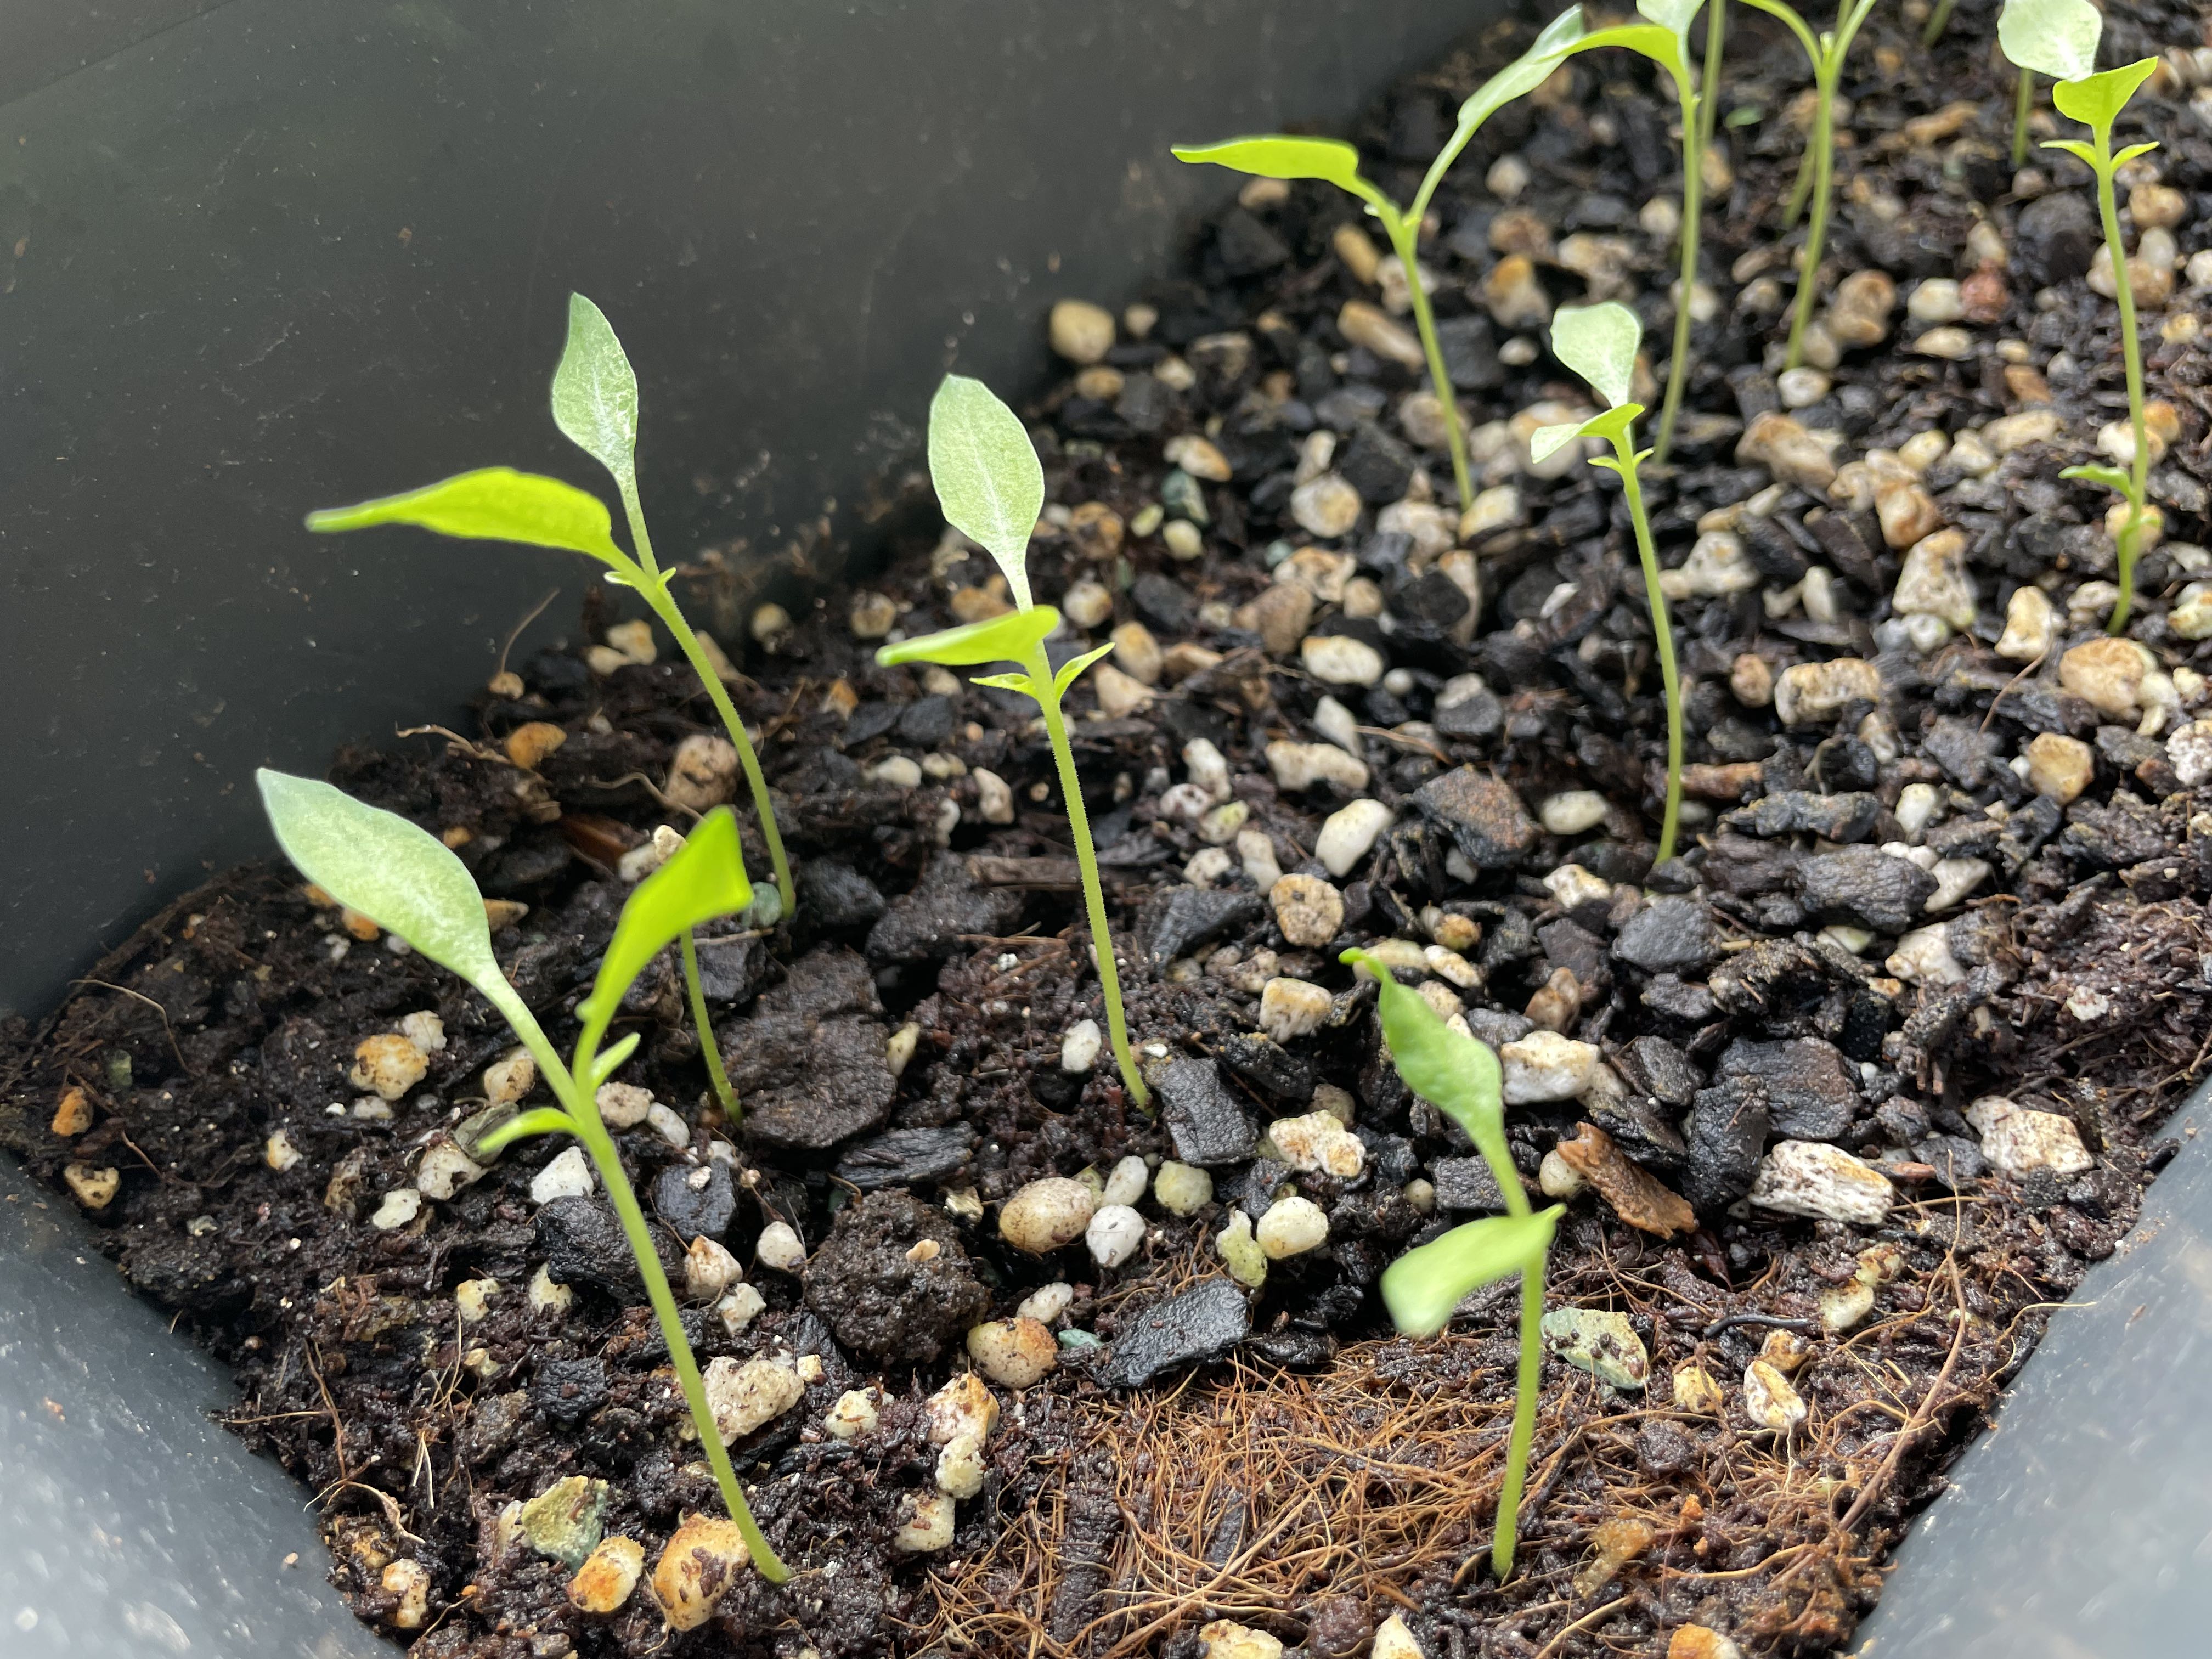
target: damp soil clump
1839 1100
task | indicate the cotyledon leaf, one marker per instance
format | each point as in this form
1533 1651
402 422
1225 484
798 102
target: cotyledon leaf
595 390
988 477
703 878
492 504
1422 1286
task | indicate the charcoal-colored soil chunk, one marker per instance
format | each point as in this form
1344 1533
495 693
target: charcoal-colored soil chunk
882 1296
1268 1067
1811 1094
1957 1161
569 1390
905 1158
927 722
1482 814
1800 811
810 1063
1667 936
2055 238
583 1243
1772 978
1198 1325
1466 1183
1638 1130
1203 1117
695 1199
1164 602
1724 1137
1470 355
837 895
928 923
1475 716
1177 923
185 1271
1660 1069
2113 837
1376 464
1864 885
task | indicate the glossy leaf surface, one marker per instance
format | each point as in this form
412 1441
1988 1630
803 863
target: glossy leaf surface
493 504
1274 156
1010 638
986 474
2096 101
2057 38
1525 73
1422 1286
399 876
704 879
595 390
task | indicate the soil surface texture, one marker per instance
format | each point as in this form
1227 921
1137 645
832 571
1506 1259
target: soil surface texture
1841 1101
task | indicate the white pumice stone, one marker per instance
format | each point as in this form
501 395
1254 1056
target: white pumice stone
1181 1189
1078 1049
1115 1234
926 1524
742 1396
400 1206
960 1467
510 1077
390 1064
1318 1144
444 1169
1291 1008
547 1297
473 1298
279 1152
623 1105
853 1415
568 1174
1573 810
664 1121
1046 1214
1256 852
1126 1184
425 1030
779 1247
1350 834
1240 1252
739 1306
1047 1302
1339 725
2019 1142
710 1269
1546 1066
1292 1227
1013 1353
1810 1178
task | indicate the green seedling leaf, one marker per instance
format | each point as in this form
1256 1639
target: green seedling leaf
2129 155
1524 74
1599 343
2057 38
1653 40
1547 441
1454 1073
2111 476
399 876
1277 156
1422 1286
606 1065
1021 683
986 475
595 392
1074 667
2074 148
2096 101
704 879
1614 422
538 1120
494 504
1010 638
1673 16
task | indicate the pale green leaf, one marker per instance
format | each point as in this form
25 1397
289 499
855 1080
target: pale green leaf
1673 16
1422 1286
2129 154
399 875
494 504
1454 1073
1021 683
1276 156
1547 441
1653 40
538 1120
2074 148
2096 101
2057 38
704 879
1599 343
986 475
1524 74
2111 476
606 1065
595 392
1009 638
1074 667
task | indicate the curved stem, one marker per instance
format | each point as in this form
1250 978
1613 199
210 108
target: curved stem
708 1047
1822 154
654 591
1039 668
1693 182
599 1147
1663 634
1937 22
1405 235
1505 1535
2131 352
2023 102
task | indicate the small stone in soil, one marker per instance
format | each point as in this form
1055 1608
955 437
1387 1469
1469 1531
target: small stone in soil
1807 1082
1200 1324
1204 1120
608 1577
1864 885
564 1522
701 1562
1181 1189
1602 1343
1669 935
1178 922
884 1297
906 1158
569 1390
1481 814
1808 1178
695 1199
1014 1353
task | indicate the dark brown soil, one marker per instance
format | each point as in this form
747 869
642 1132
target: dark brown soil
1324 1475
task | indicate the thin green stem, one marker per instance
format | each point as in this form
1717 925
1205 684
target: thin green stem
2023 102
1822 152
599 1147
1693 190
1505 1535
654 592
1709 83
1664 635
2131 537
1938 21
1039 669
1404 237
708 1047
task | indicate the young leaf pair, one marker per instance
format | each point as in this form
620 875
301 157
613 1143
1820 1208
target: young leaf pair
1461 1077
992 489
1664 40
2059 38
595 405
408 882
1599 343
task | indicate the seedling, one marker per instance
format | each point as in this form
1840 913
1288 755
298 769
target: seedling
1664 40
1817 171
2058 38
595 406
1461 1077
406 881
1599 343
992 489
